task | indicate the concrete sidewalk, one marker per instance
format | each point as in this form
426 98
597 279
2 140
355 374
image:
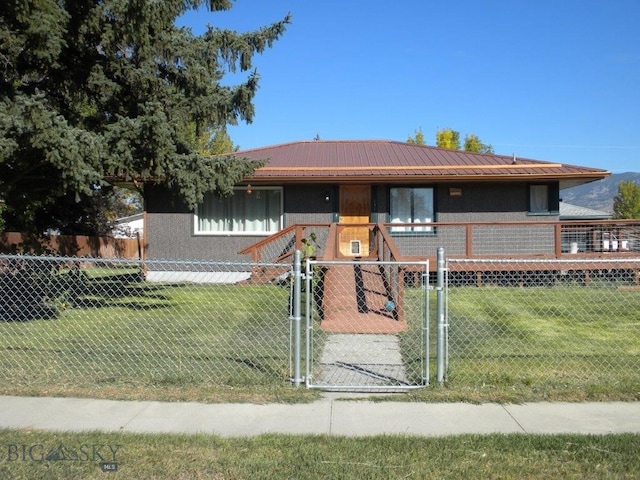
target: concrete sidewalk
333 415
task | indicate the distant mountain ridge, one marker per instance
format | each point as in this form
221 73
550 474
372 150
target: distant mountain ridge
598 195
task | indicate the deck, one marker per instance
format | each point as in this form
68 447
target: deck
486 247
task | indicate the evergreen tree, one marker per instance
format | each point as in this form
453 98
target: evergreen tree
90 90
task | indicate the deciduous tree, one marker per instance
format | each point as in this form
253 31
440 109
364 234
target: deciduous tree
418 138
93 89
626 203
473 144
216 142
448 138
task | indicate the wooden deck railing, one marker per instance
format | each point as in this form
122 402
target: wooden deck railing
279 247
518 240
544 242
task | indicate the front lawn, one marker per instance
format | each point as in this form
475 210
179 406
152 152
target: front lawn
116 336
566 342
119 337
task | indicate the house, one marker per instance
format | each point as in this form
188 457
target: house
424 195
131 226
569 211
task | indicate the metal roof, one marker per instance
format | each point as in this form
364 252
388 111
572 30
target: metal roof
384 161
577 212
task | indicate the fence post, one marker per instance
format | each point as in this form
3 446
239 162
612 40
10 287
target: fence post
297 294
441 339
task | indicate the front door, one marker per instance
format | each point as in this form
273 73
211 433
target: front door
355 208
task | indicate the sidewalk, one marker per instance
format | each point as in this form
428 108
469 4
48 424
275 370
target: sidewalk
334 414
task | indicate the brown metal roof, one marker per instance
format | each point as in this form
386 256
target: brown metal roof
384 161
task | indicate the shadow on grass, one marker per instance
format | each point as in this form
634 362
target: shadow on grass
111 291
43 293
264 368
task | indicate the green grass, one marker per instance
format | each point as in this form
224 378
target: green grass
179 457
513 344
117 337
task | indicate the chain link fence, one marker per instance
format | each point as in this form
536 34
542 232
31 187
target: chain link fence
87 321
367 325
553 323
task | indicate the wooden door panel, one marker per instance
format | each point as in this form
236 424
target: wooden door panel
355 207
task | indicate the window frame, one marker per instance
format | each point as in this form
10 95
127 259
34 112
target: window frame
551 202
255 190
408 228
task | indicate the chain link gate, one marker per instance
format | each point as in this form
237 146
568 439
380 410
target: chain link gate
366 325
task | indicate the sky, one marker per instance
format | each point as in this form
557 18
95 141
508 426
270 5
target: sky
553 80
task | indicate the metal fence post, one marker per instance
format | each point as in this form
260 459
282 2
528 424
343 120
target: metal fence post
309 286
297 294
441 340
426 337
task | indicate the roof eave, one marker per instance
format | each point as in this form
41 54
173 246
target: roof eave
565 179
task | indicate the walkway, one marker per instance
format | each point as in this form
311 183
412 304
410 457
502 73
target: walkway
331 416
361 360
362 348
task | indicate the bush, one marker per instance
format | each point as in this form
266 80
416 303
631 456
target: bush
32 292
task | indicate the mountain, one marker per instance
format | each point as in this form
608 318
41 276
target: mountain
598 195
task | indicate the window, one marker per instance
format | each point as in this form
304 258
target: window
538 199
256 213
409 206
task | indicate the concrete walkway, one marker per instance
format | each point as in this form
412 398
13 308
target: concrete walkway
361 360
332 415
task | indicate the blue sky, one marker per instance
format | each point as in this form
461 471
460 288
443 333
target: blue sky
555 80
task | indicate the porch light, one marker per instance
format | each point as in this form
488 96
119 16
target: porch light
249 189
327 197
455 192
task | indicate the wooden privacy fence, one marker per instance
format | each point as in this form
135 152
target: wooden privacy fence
74 245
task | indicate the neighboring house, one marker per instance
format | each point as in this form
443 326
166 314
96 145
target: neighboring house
128 227
576 212
408 187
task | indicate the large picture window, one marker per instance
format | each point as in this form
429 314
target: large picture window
410 206
255 213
